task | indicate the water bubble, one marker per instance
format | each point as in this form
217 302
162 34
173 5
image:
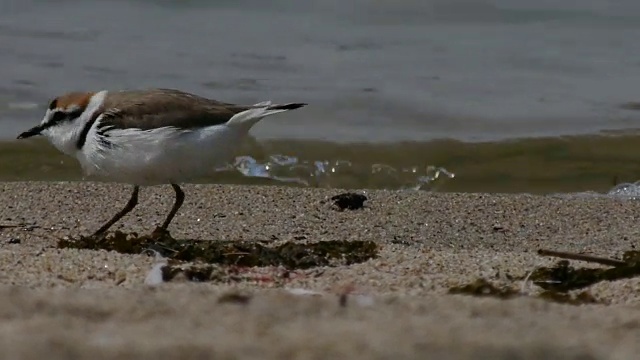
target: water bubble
339 173
283 160
382 168
629 190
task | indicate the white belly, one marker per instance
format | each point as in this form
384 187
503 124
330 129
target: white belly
159 156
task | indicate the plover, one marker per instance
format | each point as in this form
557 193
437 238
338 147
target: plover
148 137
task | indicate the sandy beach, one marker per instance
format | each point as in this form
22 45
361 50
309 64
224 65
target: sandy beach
69 303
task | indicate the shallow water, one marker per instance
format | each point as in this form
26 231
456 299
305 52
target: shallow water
545 165
473 70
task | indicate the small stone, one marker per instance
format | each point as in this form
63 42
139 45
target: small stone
350 201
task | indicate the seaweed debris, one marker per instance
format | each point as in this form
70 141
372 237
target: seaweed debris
291 255
557 281
350 201
482 287
195 272
166 270
580 298
563 278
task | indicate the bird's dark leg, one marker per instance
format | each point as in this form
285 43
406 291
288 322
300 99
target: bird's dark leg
133 201
176 206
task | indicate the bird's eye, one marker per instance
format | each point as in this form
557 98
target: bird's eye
53 104
74 114
57 117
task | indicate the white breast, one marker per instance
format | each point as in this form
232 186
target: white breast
158 156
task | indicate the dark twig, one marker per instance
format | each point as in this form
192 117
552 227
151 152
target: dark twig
7 226
581 257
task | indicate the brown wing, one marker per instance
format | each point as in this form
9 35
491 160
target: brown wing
157 108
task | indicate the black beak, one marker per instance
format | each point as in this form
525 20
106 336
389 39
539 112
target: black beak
31 132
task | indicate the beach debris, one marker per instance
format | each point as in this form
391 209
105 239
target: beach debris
169 270
342 299
8 226
582 257
234 298
120 277
165 270
197 272
499 228
399 241
482 287
363 300
344 294
30 227
25 227
563 278
291 255
583 297
154 276
303 292
560 282
349 201
346 291
14 241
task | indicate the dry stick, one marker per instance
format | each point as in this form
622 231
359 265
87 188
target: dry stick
587 258
7 226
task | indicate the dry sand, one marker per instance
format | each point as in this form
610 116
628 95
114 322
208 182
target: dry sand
94 304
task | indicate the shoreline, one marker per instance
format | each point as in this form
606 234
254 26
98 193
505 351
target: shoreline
398 304
538 166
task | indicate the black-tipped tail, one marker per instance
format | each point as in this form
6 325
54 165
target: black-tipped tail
291 106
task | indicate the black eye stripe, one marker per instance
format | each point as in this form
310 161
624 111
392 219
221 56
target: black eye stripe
60 116
57 117
75 114
53 104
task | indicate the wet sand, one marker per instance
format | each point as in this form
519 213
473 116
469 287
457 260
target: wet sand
80 303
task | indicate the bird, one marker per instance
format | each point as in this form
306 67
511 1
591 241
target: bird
146 137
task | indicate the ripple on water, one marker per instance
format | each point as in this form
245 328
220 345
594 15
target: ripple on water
339 173
604 164
627 190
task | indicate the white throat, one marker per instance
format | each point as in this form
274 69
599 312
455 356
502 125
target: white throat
65 135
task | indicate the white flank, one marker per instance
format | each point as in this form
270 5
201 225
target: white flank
167 155
159 156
